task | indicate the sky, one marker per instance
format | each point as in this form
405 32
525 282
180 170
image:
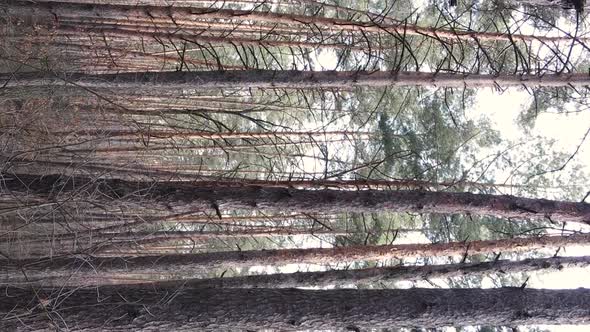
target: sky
503 110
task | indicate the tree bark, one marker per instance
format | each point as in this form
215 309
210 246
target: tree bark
192 196
342 277
55 13
388 274
186 133
173 81
150 308
114 243
182 266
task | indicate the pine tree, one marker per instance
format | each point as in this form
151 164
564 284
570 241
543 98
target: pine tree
176 308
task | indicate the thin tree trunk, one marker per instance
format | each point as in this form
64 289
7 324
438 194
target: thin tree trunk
178 309
132 56
388 274
54 13
347 277
166 81
186 133
88 238
185 265
123 171
140 146
148 32
192 196
114 243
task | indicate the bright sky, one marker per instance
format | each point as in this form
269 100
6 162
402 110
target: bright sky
503 110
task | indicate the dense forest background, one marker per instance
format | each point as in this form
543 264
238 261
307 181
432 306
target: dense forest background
170 154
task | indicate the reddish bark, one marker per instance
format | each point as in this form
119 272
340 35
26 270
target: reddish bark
185 265
196 196
56 13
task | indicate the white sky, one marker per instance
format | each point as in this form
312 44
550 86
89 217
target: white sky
503 109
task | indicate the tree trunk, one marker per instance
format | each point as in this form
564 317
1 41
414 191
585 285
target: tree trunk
174 17
114 243
192 196
343 277
187 133
152 308
187 265
387 274
294 79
